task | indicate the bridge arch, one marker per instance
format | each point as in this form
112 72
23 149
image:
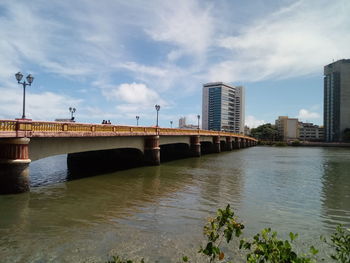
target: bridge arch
42 147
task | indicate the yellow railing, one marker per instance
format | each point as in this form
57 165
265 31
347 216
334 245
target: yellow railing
79 127
40 126
104 128
8 125
47 126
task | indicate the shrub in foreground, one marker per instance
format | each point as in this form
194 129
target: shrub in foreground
262 247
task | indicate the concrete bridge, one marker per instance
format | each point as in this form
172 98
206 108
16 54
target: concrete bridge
23 141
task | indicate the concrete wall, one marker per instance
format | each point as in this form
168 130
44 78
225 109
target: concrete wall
44 147
174 139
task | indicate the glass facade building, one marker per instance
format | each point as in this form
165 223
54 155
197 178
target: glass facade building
223 107
336 105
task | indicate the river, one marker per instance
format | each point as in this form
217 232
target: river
159 212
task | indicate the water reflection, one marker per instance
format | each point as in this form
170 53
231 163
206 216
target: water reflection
158 212
336 187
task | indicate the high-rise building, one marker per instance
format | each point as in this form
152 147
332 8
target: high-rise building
336 99
223 107
287 128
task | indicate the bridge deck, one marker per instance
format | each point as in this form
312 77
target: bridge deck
28 128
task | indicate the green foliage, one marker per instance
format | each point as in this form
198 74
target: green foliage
281 144
296 143
222 227
266 247
340 242
266 132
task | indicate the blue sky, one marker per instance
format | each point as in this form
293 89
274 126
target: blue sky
115 59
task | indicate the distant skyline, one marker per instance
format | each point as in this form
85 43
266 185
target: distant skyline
114 60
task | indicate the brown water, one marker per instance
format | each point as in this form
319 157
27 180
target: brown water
158 212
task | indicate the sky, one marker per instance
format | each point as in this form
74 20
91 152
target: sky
114 60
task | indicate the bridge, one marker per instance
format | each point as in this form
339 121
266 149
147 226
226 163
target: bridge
23 141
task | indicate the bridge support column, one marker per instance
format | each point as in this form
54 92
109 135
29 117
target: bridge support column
14 165
216 144
228 143
195 148
237 143
152 150
242 143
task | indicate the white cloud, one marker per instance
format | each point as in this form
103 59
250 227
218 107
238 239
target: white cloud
297 40
252 122
308 115
185 24
133 93
143 69
39 106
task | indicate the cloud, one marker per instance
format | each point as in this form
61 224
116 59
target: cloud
39 106
294 41
133 93
252 122
308 115
143 69
185 24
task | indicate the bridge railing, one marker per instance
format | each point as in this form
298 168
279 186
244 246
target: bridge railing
8 125
13 128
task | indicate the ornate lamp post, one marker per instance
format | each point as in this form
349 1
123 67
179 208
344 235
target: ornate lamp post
157 109
171 124
198 117
30 79
72 110
137 120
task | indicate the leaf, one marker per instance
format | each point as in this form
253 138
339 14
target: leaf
313 250
221 256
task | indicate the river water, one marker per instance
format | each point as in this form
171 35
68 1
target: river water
158 212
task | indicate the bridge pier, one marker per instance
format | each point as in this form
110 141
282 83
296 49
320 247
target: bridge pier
228 143
243 145
14 165
216 144
237 143
152 150
195 147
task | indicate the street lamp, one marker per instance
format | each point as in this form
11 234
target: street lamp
157 109
137 120
30 79
72 110
198 117
171 124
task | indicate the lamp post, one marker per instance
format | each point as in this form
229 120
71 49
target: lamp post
30 79
157 109
72 110
137 120
198 117
171 124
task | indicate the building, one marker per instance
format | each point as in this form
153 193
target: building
336 100
223 107
65 120
182 122
287 128
310 132
183 125
246 130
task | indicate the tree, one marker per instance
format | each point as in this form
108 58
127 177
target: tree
267 132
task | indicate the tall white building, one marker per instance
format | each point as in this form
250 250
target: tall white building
223 107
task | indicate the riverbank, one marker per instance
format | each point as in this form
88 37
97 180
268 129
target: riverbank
304 143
